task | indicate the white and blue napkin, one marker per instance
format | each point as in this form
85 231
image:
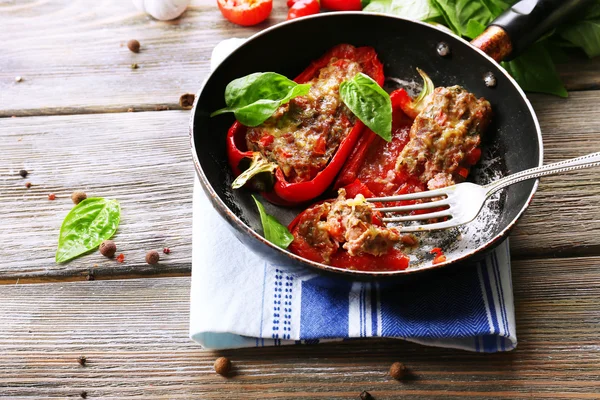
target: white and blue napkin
239 299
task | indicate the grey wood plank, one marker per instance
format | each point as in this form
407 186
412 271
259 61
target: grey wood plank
72 56
143 160
134 336
72 59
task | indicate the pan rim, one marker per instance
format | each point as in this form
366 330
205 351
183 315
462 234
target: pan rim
232 218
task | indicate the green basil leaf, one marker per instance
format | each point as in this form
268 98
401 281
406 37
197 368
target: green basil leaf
86 226
255 97
274 231
474 28
458 13
535 72
413 9
370 103
584 34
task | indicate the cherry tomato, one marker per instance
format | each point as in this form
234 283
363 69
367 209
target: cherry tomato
245 12
345 5
302 8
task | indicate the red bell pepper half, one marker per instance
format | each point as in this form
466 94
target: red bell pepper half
393 260
289 193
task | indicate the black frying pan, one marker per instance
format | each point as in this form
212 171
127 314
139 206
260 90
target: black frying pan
512 143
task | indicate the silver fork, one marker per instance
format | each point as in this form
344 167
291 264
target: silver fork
465 200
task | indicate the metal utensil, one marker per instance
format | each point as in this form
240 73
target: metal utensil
465 200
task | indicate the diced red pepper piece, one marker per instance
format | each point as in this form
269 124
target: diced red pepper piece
320 146
356 188
266 140
440 258
473 156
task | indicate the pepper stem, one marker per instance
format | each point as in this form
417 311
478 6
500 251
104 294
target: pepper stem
258 165
428 87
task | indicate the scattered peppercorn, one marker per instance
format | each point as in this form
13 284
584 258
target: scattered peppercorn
133 45
366 396
23 173
83 394
28 185
78 197
397 370
81 360
134 66
121 258
90 277
108 248
186 100
152 257
222 366
167 250
18 79
161 108
51 196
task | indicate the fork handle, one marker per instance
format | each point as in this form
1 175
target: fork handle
591 160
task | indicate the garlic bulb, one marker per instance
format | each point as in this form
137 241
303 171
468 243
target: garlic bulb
163 10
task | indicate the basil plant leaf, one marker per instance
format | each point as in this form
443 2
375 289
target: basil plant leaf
86 226
274 231
413 9
535 72
370 103
255 97
585 34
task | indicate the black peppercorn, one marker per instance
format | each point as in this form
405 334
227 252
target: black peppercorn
133 45
78 197
81 360
23 173
108 248
397 370
222 366
152 257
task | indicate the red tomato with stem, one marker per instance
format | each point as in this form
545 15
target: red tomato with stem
245 12
302 8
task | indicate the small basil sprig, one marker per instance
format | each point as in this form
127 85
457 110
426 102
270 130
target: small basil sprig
370 103
274 231
255 97
86 226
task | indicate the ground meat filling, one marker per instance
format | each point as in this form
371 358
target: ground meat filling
350 223
443 134
303 135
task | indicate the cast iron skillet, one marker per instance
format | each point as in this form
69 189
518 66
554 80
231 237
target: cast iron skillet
512 143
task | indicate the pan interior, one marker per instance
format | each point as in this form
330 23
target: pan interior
511 143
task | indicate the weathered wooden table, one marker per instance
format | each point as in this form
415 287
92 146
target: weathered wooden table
71 130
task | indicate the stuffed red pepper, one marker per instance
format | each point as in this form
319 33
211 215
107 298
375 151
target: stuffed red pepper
347 233
308 139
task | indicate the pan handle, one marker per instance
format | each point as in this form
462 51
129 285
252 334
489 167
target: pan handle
524 23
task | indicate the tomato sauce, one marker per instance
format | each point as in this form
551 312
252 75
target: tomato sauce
378 170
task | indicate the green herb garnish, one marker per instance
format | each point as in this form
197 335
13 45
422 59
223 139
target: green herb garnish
86 226
255 97
274 231
370 103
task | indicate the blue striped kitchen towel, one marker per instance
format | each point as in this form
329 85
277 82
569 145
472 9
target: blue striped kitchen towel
240 300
